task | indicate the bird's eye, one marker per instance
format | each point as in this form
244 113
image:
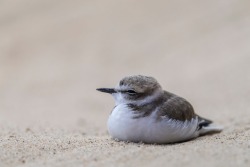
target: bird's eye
131 92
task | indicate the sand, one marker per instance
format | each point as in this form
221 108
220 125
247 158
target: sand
54 54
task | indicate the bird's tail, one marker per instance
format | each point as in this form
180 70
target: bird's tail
206 126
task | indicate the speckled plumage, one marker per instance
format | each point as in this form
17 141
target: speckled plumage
144 112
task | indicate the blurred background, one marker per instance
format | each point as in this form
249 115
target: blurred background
55 53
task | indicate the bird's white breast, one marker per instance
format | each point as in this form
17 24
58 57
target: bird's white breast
122 126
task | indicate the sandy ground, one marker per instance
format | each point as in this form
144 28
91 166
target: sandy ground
54 54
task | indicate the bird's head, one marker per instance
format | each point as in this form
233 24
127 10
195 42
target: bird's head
134 89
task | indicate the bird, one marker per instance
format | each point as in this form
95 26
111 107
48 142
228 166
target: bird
146 113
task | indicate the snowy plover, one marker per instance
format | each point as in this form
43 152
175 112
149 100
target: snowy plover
144 112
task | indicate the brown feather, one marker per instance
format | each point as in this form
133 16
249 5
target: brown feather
169 105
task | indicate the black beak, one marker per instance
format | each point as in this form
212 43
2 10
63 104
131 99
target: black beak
107 90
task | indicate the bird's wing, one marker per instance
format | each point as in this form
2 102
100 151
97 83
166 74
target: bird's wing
176 107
